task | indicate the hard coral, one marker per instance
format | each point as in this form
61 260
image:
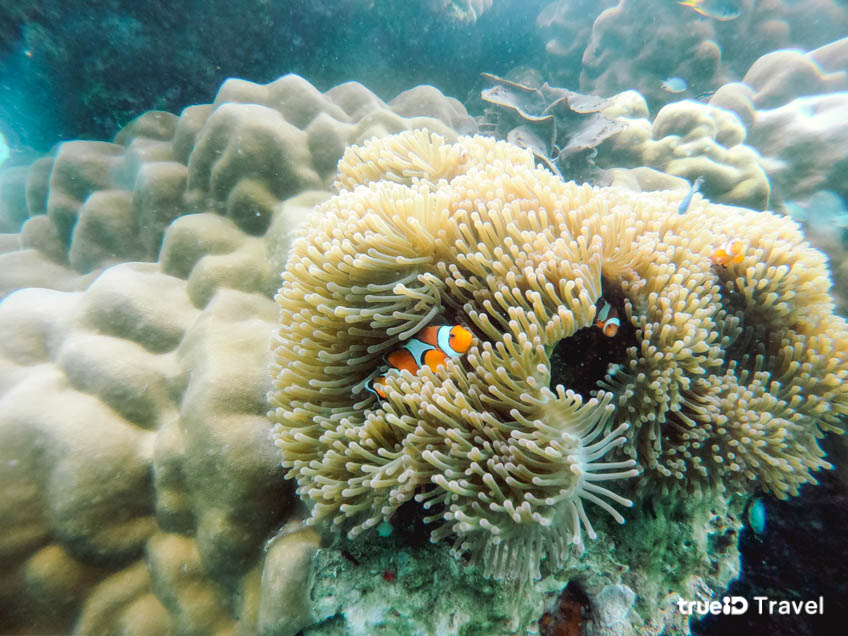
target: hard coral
724 376
139 487
689 139
791 103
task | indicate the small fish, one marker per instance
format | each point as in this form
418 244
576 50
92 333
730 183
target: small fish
731 253
721 10
675 85
696 187
757 516
606 318
429 347
705 96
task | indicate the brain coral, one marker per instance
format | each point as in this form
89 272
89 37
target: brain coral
718 376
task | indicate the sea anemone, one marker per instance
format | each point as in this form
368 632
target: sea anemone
503 446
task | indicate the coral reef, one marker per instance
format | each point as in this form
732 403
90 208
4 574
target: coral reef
792 103
142 492
587 138
722 379
690 139
781 76
137 477
140 487
631 576
803 145
97 203
566 28
562 128
824 217
630 49
637 44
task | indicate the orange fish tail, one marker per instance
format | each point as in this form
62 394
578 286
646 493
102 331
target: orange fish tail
379 386
435 358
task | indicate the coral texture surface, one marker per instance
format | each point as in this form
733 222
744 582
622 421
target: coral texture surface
139 484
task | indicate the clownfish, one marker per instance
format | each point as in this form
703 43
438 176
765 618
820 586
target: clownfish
730 253
606 318
429 347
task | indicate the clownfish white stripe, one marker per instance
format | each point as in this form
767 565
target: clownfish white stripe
606 318
417 349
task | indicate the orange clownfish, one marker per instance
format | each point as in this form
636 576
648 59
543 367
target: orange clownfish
429 347
730 253
606 318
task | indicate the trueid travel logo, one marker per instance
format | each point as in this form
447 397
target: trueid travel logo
733 605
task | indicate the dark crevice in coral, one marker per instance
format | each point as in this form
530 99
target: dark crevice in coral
408 522
581 361
570 615
732 299
758 333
